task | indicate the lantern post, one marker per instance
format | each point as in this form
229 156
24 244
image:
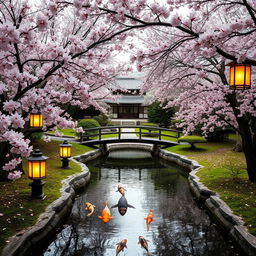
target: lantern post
37 172
65 153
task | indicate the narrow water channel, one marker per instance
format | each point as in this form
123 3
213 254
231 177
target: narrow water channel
180 226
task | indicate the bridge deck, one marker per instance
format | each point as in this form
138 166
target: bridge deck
130 140
130 134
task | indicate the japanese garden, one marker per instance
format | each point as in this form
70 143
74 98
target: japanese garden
127 127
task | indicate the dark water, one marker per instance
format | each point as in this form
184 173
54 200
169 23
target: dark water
181 227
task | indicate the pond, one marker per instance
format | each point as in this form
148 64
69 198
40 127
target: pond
180 226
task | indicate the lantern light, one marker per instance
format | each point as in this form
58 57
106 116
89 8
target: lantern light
65 153
240 76
36 172
36 119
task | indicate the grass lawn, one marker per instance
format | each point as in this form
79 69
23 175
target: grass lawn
155 134
224 172
71 132
67 132
17 211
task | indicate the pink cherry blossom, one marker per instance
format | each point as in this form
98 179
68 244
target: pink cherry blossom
14 175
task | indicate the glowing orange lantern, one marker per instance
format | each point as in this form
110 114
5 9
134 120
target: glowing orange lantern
240 76
36 120
36 172
65 153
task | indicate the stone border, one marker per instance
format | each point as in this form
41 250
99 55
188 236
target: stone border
56 211
27 239
216 207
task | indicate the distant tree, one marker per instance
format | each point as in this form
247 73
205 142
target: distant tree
78 113
160 115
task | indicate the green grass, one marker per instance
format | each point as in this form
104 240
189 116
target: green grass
202 148
71 132
67 132
224 172
18 211
154 133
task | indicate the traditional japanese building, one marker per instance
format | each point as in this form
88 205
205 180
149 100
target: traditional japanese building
130 104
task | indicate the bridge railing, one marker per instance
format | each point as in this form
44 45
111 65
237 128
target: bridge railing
157 132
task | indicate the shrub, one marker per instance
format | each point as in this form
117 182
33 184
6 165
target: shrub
103 120
218 135
37 136
158 114
234 170
192 140
89 123
77 113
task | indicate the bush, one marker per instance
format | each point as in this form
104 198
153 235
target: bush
77 113
158 114
36 136
87 124
192 140
218 135
103 120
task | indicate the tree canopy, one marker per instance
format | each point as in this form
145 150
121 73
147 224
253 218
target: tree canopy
60 53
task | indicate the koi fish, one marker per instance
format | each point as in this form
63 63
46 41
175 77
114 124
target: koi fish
149 218
121 190
122 205
120 246
144 244
89 207
106 215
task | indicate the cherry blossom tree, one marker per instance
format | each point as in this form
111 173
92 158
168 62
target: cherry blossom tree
186 64
53 54
59 54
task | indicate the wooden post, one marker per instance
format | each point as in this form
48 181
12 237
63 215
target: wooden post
140 133
119 133
81 137
155 150
159 134
99 133
104 150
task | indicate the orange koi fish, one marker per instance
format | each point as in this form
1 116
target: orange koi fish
149 218
121 190
89 207
106 215
120 246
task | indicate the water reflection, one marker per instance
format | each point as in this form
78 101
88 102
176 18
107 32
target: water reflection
180 228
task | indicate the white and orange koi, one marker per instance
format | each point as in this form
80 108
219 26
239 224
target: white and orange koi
121 190
89 207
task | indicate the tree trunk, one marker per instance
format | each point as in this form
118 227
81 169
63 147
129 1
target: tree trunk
249 148
4 149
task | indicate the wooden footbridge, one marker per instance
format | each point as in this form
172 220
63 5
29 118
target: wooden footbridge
130 134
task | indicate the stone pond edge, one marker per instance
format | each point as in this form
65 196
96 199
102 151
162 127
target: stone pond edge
21 243
230 223
57 210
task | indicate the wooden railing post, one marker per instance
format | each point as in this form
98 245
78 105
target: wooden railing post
159 134
140 133
81 137
119 133
99 133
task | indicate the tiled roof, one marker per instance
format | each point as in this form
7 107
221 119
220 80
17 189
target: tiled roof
129 99
129 83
